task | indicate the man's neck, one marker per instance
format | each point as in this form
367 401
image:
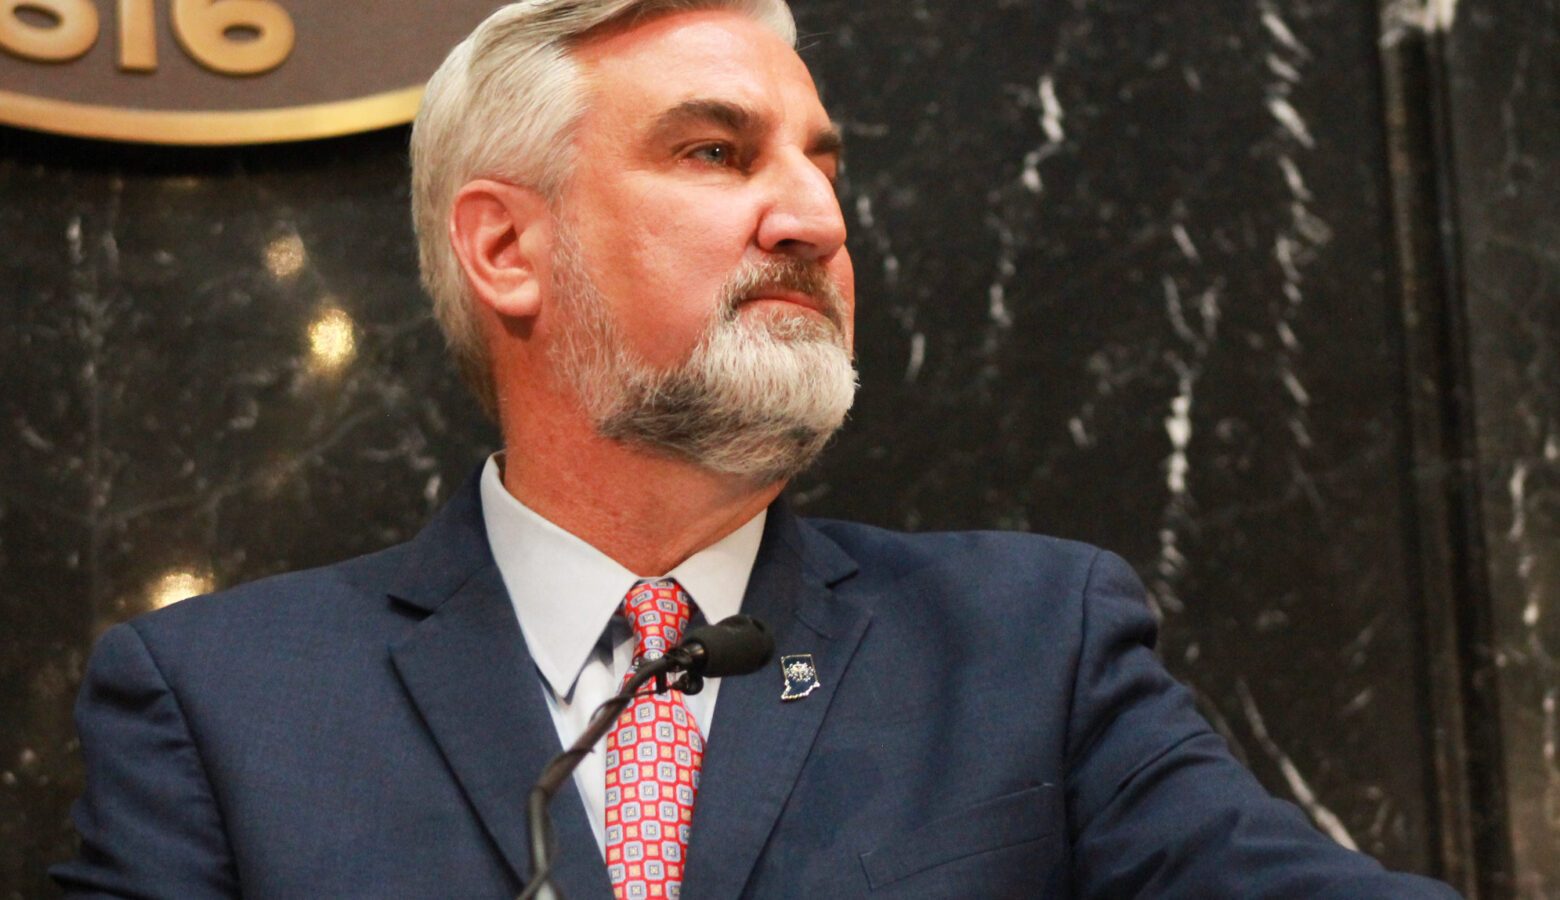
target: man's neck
647 511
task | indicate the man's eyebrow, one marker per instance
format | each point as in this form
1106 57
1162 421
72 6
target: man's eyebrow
734 117
827 142
704 112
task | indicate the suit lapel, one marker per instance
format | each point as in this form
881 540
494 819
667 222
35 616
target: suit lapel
467 671
758 743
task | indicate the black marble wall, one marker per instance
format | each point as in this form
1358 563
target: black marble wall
216 366
1145 276
1503 89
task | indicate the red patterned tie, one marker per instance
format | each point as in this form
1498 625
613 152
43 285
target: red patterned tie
652 760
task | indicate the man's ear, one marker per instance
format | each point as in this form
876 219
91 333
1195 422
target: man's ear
502 234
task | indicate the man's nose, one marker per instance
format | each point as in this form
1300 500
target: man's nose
803 217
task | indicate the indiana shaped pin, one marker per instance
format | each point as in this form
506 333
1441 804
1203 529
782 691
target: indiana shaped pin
801 676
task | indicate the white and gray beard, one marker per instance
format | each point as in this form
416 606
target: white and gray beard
756 398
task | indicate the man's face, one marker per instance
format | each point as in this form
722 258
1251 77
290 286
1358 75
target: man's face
702 247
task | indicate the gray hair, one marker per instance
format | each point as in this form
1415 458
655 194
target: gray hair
504 105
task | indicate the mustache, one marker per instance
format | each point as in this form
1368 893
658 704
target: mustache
802 277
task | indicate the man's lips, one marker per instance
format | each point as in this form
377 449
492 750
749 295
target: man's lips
791 283
781 295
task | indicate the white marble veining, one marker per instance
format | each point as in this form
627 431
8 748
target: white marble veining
1400 18
1304 795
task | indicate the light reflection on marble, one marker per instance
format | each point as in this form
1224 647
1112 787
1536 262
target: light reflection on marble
332 342
179 584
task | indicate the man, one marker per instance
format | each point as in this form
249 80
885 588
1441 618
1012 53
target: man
628 226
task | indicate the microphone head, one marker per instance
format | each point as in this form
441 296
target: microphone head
736 645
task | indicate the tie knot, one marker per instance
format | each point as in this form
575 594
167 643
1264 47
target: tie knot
659 610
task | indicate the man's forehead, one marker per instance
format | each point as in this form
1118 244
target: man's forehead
690 57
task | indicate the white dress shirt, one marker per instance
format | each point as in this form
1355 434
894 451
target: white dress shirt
566 594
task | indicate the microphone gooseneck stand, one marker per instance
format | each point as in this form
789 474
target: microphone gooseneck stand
735 645
563 765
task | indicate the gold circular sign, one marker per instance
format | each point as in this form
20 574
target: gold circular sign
221 71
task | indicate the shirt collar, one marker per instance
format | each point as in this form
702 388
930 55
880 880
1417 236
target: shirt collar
565 591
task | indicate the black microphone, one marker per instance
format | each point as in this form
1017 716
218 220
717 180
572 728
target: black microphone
736 645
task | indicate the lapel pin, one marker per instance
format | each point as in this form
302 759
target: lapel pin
801 676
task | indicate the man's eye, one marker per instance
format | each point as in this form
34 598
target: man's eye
714 154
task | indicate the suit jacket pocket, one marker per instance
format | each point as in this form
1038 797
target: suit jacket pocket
1011 819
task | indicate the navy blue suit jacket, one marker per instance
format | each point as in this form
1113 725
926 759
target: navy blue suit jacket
991 722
